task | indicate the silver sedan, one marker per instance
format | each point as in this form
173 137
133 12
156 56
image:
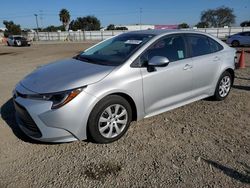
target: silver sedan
135 75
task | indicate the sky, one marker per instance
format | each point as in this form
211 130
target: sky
117 11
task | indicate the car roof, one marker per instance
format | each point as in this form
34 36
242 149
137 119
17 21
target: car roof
159 33
165 31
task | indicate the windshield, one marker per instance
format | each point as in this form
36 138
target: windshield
115 51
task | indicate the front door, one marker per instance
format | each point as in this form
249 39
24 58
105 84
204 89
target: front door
170 85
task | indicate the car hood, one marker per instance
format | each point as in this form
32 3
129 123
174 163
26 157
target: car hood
64 75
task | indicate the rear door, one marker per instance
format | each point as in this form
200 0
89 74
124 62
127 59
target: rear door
206 56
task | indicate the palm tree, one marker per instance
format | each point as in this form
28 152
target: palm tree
64 18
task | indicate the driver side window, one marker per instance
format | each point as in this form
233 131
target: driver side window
171 47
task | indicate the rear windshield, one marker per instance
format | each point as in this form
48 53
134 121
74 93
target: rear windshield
19 38
115 51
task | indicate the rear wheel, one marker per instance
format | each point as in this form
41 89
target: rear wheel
235 43
110 119
223 86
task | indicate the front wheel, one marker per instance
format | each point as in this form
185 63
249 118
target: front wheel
223 86
110 119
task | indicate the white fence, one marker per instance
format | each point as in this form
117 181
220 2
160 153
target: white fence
73 35
221 33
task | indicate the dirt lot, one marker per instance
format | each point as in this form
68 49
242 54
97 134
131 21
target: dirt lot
204 144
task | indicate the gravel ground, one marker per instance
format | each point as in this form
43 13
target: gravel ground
204 144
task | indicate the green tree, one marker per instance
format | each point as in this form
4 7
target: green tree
88 23
111 27
201 25
64 18
245 24
183 25
219 17
121 28
12 29
53 28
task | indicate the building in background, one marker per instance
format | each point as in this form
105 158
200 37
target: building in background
2 29
136 27
166 27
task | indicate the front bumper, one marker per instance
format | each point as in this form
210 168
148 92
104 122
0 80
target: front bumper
40 122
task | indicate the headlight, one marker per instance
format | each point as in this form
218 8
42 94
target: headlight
58 99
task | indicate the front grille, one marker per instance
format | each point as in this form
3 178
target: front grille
26 120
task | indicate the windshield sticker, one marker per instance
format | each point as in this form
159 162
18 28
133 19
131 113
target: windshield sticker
180 54
133 42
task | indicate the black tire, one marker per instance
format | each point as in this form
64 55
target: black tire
8 43
235 43
217 96
94 133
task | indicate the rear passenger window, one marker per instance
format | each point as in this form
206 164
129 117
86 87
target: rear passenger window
245 34
199 45
215 46
248 34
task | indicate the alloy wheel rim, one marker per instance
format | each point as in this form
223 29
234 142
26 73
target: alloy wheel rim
113 121
224 87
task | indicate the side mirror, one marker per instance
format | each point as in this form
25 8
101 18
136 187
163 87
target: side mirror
158 61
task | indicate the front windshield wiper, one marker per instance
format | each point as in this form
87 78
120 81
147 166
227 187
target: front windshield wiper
81 58
88 60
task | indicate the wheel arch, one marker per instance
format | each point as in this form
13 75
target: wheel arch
236 40
130 101
231 71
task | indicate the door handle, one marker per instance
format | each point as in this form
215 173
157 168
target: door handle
187 66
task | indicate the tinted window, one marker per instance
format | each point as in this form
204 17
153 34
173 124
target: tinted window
199 45
245 34
215 46
19 38
171 47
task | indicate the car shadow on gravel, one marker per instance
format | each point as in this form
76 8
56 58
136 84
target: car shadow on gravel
247 88
243 178
8 115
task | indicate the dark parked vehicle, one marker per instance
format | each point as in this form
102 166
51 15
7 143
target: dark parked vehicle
18 41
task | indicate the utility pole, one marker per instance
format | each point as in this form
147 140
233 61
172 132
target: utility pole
36 26
140 17
41 18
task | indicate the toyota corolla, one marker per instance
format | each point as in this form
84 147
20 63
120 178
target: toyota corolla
132 76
